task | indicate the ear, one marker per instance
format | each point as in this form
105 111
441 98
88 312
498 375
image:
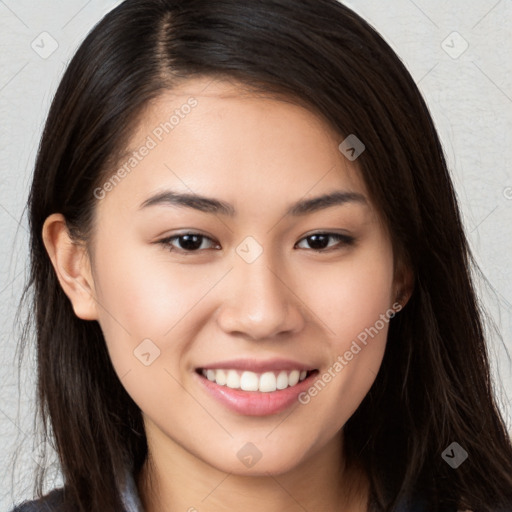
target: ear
72 266
404 282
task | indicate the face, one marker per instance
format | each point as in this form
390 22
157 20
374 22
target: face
253 280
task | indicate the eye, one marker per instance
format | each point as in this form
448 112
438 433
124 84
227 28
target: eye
319 242
193 242
188 242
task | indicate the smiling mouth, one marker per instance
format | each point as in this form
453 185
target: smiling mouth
264 382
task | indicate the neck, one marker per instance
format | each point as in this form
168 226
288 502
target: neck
174 479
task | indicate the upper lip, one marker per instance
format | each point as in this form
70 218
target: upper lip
253 365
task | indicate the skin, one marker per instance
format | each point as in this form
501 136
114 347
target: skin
260 155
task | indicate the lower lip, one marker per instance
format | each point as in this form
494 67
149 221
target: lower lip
256 403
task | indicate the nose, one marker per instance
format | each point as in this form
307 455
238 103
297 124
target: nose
259 302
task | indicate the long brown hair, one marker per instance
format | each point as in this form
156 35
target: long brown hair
434 385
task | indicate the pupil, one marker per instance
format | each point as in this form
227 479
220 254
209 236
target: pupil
313 241
190 242
193 242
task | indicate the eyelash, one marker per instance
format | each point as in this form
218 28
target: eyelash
344 241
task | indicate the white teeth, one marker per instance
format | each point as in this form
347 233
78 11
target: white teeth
251 381
221 377
293 378
267 382
233 379
282 380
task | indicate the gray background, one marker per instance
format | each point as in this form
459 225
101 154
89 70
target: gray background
469 92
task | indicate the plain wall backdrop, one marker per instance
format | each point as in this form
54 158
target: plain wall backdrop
457 53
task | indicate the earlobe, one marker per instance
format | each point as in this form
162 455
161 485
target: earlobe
404 285
72 266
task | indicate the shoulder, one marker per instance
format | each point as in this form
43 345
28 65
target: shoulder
52 502
59 500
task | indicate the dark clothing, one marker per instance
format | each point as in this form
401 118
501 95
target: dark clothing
54 502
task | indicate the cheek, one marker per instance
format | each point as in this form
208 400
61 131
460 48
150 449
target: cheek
136 301
143 312
351 296
145 298
354 301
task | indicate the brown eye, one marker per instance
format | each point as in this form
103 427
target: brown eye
319 242
187 242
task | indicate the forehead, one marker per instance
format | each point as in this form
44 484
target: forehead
217 138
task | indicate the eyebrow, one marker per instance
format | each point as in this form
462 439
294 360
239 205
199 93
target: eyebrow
216 206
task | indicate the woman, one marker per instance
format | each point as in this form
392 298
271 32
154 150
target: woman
198 347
